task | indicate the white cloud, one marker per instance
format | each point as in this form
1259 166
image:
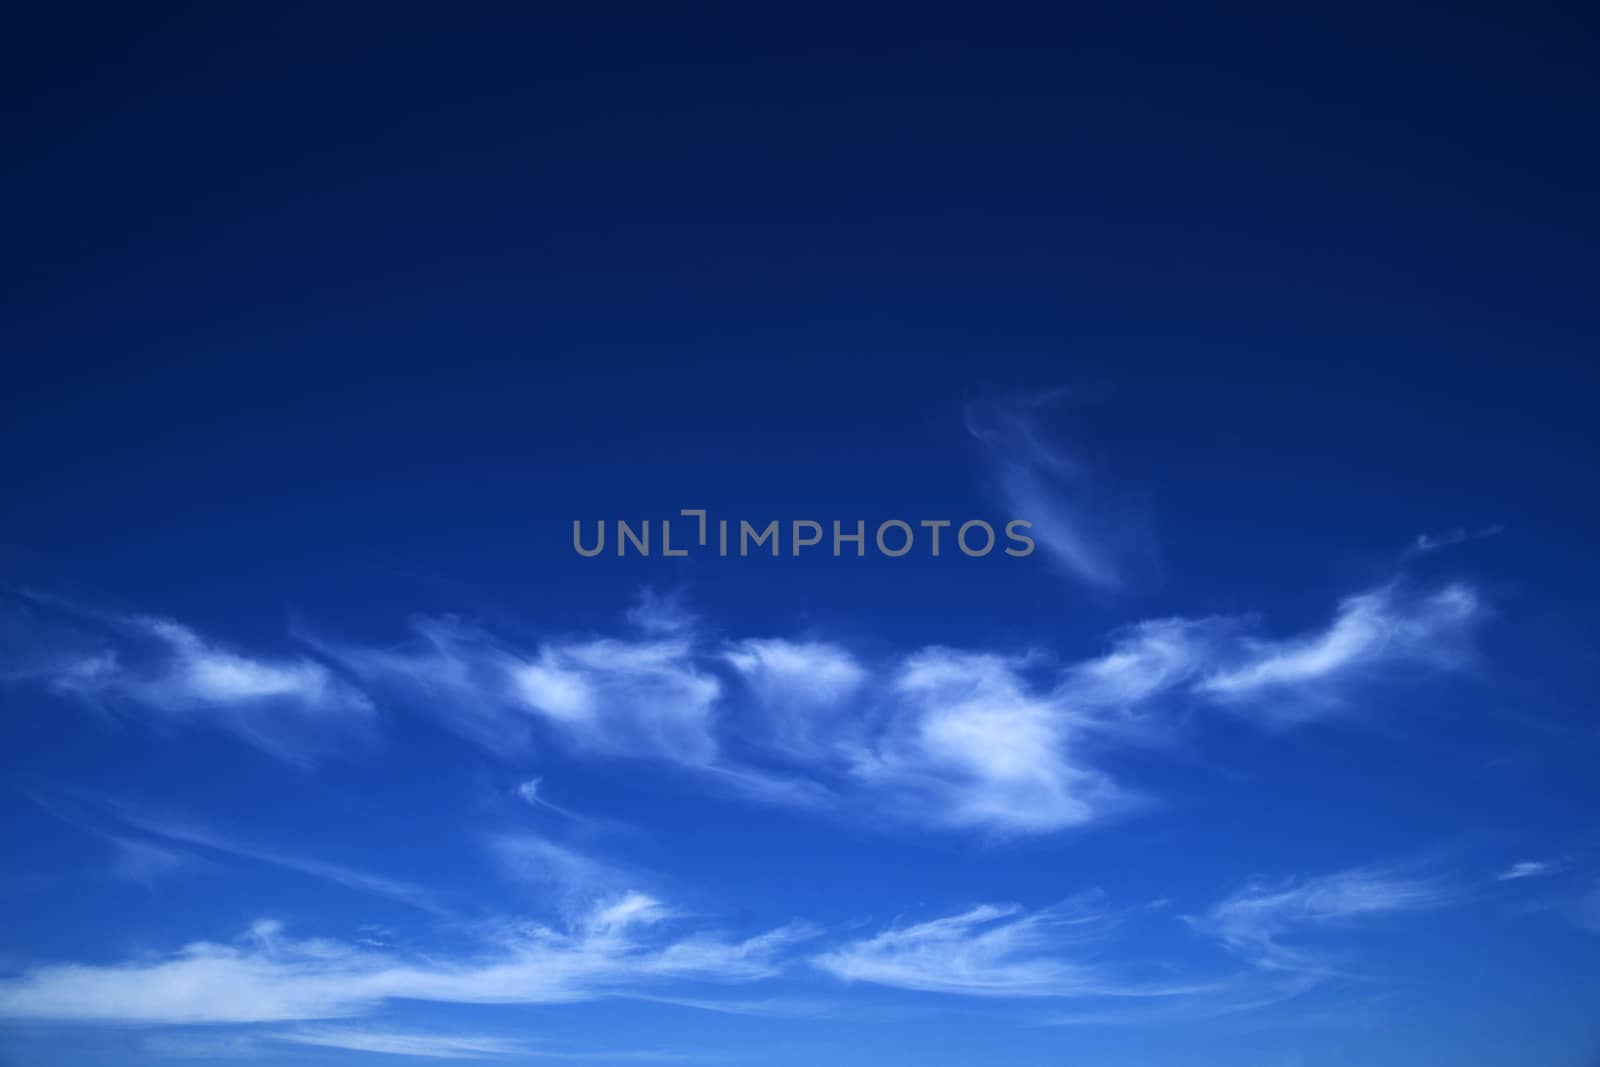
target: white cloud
1255 921
1371 634
1083 527
532 793
1008 741
626 697
1531 869
972 743
660 613
1147 660
437 1046
146 859
797 672
632 909
611 696
159 666
1426 543
993 951
570 878
803 693
176 830
621 947
449 669
630 944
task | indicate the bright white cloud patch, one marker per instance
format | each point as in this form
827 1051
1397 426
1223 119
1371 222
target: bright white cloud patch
972 743
627 697
798 672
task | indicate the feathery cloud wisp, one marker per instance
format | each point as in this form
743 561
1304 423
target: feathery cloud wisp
1078 523
1372 634
1426 543
619 947
996 951
1254 921
434 1046
1530 869
145 663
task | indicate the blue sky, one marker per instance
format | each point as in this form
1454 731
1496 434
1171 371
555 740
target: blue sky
319 744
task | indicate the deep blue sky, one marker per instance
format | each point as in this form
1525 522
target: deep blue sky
322 327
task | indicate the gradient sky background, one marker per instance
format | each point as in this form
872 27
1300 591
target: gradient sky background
320 746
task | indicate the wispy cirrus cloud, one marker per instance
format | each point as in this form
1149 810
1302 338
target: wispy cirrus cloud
1259 921
1148 661
1372 636
1531 869
991 951
644 695
1426 543
1291 936
147 863
271 1041
1090 532
804 690
623 945
630 943
532 793
573 879
407 1043
458 1046
146 663
152 855
335 873
626 697
1006 740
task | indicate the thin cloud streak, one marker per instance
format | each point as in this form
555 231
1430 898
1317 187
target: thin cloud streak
1080 525
181 832
1426 543
1257 921
433 1046
1531 869
994 951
